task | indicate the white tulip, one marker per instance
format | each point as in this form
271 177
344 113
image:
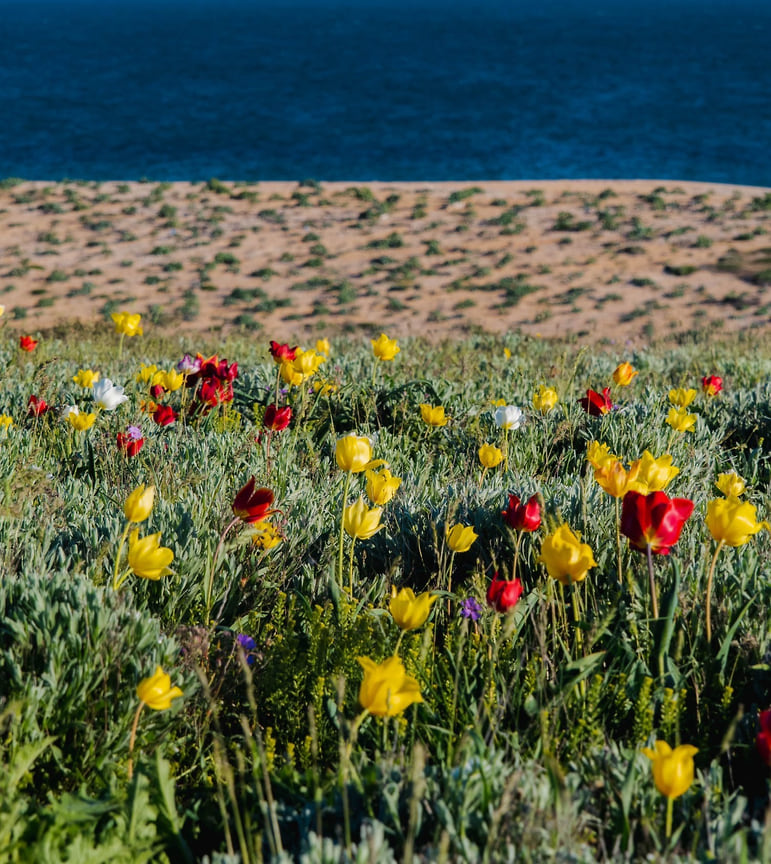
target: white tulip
67 410
508 417
108 396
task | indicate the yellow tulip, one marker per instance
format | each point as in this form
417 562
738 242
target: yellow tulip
265 536
460 537
139 503
433 415
86 378
360 522
567 559
545 399
381 486
672 769
730 485
127 324
386 689
353 453
325 388
614 478
732 521
156 691
490 455
623 374
147 373
384 348
654 474
290 375
170 381
323 347
681 397
680 420
307 363
6 421
598 454
409 611
81 422
147 558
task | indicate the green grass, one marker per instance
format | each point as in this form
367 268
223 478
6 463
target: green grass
527 744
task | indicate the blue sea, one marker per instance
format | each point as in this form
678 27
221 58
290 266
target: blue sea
375 90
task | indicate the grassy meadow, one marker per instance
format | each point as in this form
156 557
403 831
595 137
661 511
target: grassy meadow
512 735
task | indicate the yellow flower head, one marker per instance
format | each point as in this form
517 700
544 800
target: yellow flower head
361 523
598 454
139 503
545 399
265 536
680 420
681 397
507 353
732 521
146 373
384 348
324 387
387 689
623 374
382 486
653 474
323 347
80 422
353 453
460 537
433 415
614 478
730 484
86 378
170 381
147 558
156 691
290 375
490 455
567 559
496 403
307 363
409 611
6 421
672 769
127 324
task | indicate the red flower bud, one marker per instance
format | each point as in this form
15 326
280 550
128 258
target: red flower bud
36 406
523 517
281 352
252 505
654 520
27 343
504 594
277 418
164 415
763 740
595 404
712 384
156 391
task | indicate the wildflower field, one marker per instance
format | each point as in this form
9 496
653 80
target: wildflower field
376 600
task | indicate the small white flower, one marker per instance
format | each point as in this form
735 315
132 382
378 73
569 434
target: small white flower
108 396
508 417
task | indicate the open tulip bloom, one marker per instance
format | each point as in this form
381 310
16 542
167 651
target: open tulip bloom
108 395
672 772
595 404
386 689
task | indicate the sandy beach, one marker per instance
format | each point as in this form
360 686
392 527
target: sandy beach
606 261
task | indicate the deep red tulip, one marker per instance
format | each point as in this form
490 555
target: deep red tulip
156 391
214 392
164 415
654 520
763 741
27 343
282 351
129 445
252 505
712 384
277 418
36 406
523 517
504 594
595 404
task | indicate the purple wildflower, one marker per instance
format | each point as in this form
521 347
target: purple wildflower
189 364
471 609
133 433
249 647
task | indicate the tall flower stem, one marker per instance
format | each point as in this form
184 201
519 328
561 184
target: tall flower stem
618 540
449 581
116 580
516 555
652 582
710 575
346 489
213 568
350 565
132 740
668 828
120 345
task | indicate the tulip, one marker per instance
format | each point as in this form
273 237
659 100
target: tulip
139 503
615 479
384 348
672 769
408 611
595 404
711 385
266 536
460 537
387 689
147 558
682 398
189 365
360 522
81 422
680 420
654 520
623 374
129 444
567 559
324 387
433 415
353 453
6 421
281 351
86 378
170 381
381 486
146 373
654 474
27 343
503 594
763 739
508 417
290 375
490 456
731 485
108 396
165 415
276 419
323 347
307 363
127 324
36 406
732 522
598 454
156 691
545 399
252 505
523 517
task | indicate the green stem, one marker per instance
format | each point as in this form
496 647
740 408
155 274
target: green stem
212 569
652 582
709 590
116 582
618 540
350 565
120 345
516 555
346 489
670 804
132 740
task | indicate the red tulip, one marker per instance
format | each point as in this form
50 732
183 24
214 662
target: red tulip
36 406
711 385
164 415
252 505
654 520
27 343
157 391
214 392
523 517
763 740
130 446
281 352
503 594
595 404
277 418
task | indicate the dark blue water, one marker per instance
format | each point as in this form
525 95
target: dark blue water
400 90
